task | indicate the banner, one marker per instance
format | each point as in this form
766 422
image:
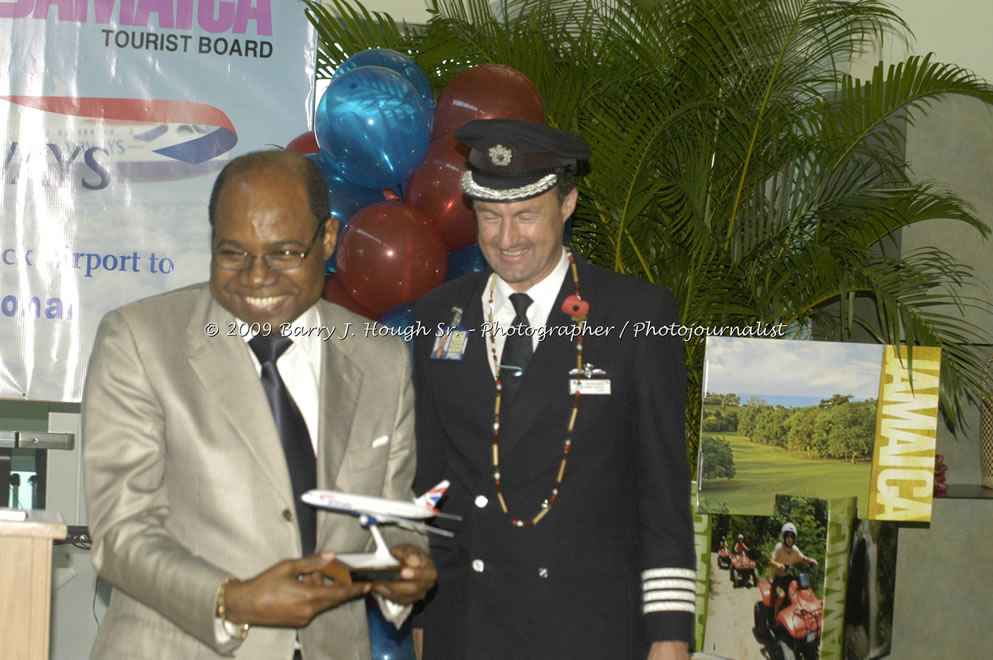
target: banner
117 115
902 483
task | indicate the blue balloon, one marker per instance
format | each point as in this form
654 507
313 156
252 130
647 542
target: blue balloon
345 198
395 61
373 126
465 261
387 641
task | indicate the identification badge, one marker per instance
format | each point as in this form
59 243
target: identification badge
589 385
451 344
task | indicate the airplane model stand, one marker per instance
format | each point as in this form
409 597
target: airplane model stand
378 566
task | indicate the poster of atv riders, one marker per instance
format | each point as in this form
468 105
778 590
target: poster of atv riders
777 582
817 419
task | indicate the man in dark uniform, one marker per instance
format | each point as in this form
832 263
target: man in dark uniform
559 420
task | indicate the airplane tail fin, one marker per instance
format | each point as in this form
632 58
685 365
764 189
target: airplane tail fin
429 500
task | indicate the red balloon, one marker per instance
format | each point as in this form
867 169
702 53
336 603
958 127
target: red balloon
389 193
435 188
305 143
487 91
388 255
335 292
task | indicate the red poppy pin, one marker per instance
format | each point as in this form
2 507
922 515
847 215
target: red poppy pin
576 307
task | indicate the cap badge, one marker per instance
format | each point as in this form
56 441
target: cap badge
500 155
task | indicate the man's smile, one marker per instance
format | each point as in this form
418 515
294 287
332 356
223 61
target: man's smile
266 302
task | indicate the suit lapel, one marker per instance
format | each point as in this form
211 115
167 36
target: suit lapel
466 386
224 366
477 356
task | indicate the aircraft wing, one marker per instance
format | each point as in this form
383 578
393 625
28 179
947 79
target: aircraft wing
414 525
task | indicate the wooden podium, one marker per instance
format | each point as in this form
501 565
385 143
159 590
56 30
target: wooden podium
26 583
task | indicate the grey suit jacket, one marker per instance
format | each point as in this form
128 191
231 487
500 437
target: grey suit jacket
186 481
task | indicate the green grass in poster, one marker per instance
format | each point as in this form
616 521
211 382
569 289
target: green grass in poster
762 472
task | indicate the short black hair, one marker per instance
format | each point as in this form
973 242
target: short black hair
281 161
565 182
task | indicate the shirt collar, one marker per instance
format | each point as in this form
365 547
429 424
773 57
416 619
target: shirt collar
542 294
308 338
303 333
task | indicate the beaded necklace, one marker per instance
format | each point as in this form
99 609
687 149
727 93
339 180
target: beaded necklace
566 445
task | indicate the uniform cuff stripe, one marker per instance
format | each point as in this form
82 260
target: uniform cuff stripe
689 585
654 596
669 607
654 573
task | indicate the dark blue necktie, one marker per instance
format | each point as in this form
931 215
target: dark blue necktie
517 350
292 433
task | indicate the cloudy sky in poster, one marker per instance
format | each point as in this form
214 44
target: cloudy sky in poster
787 370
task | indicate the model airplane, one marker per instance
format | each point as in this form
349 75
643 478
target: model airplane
373 511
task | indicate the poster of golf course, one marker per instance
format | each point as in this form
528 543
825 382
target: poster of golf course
825 420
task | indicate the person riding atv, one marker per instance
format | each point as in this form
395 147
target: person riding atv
723 555
784 555
740 548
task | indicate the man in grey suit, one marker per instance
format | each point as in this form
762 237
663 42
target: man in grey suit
195 517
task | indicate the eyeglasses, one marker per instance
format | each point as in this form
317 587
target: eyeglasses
278 261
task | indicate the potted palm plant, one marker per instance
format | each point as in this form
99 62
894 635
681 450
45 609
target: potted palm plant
736 161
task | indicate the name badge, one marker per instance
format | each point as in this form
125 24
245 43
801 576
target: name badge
589 385
451 344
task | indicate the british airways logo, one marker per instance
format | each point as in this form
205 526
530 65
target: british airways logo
91 141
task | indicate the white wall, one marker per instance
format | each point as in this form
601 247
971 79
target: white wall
414 11
959 31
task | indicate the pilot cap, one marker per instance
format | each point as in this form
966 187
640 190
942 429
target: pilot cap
511 159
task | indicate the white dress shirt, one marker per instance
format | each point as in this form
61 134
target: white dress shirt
543 296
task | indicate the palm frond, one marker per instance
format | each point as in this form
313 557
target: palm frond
352 28
736 160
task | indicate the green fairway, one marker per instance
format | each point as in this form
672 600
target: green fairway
762 472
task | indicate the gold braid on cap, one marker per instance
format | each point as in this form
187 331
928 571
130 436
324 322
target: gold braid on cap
474 190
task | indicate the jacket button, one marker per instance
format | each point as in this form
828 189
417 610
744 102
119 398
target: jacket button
481 501
478 565
542 572
287 515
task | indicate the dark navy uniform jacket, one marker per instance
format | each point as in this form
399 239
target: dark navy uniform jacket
611 567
